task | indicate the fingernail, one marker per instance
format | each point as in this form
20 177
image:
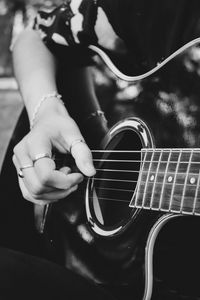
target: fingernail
90 169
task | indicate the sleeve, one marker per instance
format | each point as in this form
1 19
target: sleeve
68 29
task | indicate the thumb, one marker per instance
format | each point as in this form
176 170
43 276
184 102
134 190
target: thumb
83 157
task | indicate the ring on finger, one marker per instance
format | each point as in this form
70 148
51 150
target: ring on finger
40 156
20 174
26 166
77 141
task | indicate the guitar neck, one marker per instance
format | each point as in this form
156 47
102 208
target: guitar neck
169 181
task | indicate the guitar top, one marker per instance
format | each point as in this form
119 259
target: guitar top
147 176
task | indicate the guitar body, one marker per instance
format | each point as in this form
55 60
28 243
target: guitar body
135 253
114 245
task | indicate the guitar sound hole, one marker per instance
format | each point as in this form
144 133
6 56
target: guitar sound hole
114 184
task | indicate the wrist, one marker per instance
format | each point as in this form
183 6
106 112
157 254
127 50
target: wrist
49 104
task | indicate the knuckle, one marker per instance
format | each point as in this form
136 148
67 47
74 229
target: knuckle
20 146
16 149
29 142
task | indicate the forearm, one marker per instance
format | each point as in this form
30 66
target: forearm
34 68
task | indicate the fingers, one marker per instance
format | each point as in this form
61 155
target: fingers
22 158
46 198
43 195
41 181
59 179
83 158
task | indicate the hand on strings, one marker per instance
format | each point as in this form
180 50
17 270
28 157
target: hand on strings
39 180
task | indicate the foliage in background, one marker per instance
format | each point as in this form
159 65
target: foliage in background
14 15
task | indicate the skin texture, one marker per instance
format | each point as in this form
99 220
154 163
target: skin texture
35 70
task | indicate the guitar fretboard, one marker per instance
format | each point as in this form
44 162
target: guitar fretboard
169 181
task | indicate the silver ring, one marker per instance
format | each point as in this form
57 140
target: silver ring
20 174
26 167
74 143
40 156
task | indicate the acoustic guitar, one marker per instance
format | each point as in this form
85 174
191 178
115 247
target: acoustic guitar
148 179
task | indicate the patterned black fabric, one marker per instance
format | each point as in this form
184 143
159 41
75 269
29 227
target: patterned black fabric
140 33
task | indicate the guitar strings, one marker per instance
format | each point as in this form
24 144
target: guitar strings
189 150
147 150
156 171
128 201
141 205
141 161
184 151
143 182
96 179
110 199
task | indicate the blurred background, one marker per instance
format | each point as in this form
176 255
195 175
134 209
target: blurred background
14 16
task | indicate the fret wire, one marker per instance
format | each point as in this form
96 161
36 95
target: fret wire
185 182
164 179
154 183
173 185
195 197
147 178
140 176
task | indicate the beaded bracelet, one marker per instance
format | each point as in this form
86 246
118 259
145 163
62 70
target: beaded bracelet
37 108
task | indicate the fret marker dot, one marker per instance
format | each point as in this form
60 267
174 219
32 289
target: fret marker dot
192 180
152 177
170 178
